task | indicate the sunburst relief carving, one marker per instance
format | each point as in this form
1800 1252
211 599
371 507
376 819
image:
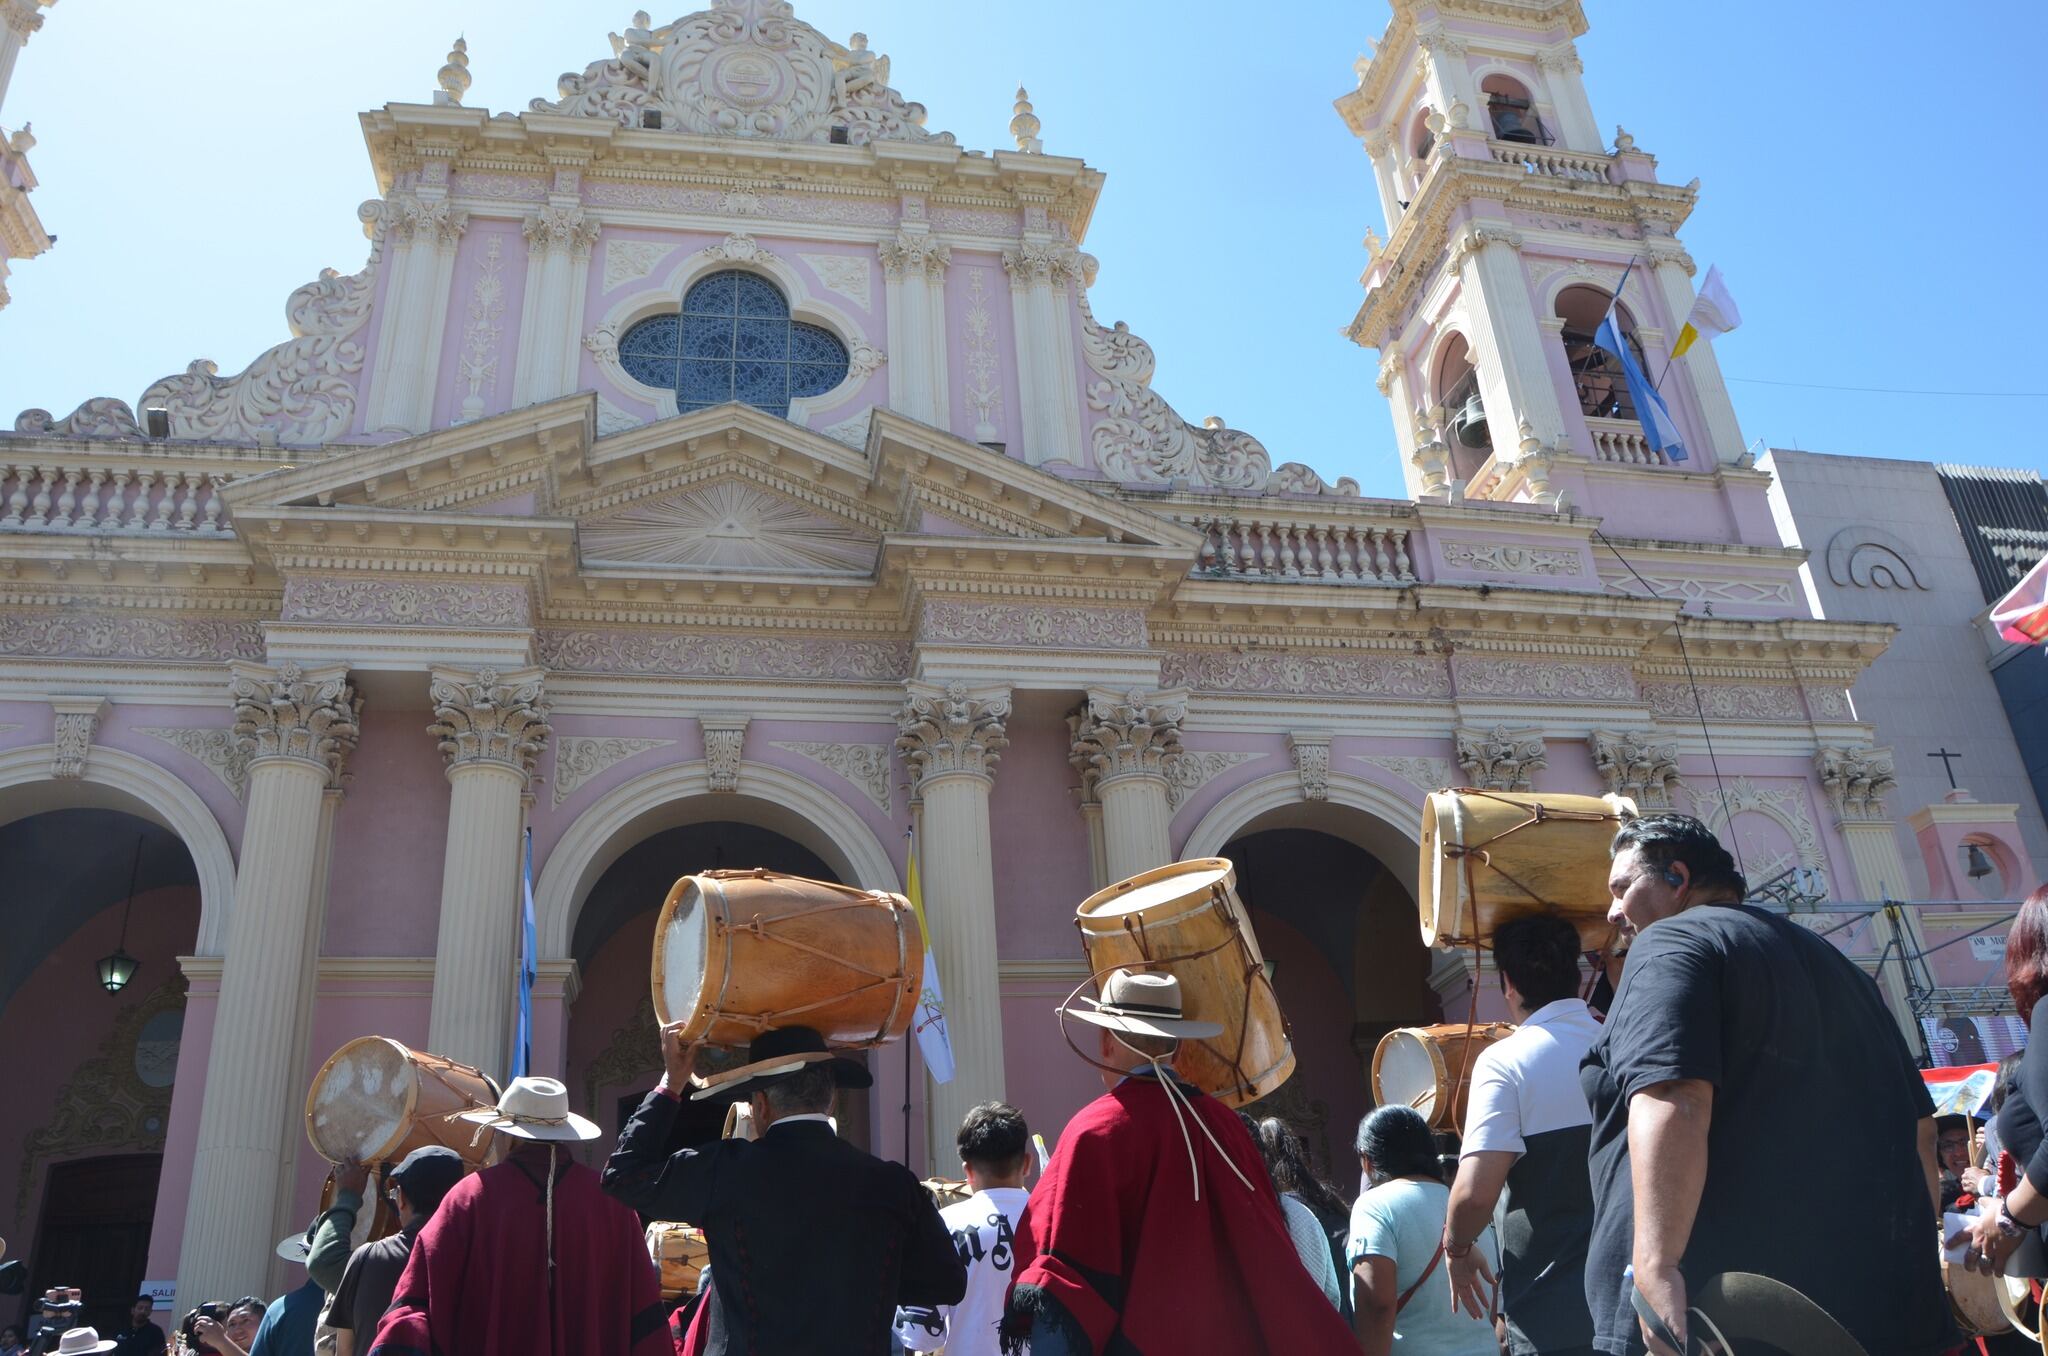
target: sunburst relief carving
728 525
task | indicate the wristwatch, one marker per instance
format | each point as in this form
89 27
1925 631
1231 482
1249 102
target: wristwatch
2007 1225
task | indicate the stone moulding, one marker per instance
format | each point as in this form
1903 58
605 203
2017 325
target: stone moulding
99 635
389 602
720 656
1544 680
1074 628
1295 673
1724 701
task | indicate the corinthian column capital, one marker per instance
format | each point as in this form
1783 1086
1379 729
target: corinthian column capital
950 730
289 712
488 718
1126 734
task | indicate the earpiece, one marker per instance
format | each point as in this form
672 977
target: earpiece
1672 878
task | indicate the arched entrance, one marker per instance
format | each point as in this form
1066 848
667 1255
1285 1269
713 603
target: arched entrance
88 1072
613 1054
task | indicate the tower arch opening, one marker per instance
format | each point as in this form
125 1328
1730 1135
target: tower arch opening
1512 111
1596 372
1454 385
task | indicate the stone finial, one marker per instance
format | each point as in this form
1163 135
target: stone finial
1623 142
454 77
24 140
1025 126
1373 244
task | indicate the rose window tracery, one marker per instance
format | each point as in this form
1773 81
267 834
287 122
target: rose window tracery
733 340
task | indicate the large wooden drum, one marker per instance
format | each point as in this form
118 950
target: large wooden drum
1187 920
1488 856
376 1101
1430 1068
1975 1301
680 1254
737 953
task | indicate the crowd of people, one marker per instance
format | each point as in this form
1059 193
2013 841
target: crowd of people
1619 1176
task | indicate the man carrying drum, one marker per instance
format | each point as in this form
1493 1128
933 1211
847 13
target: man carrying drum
1155 1227
814 1243
1526 1132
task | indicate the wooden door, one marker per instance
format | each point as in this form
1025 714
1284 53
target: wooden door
94 1233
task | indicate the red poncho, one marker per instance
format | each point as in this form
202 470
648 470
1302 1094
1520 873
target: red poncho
1113 1241
478 1280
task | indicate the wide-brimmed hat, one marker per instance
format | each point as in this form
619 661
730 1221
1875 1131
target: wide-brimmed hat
776 1054
1144 1003
295 1247
13 1277
1746 1309
79 1341
535 1108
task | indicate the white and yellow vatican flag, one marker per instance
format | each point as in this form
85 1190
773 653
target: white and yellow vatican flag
1713 313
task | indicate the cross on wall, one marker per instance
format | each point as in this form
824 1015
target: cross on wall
1947 756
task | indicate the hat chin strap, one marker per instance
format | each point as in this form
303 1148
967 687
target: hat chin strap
1177 1099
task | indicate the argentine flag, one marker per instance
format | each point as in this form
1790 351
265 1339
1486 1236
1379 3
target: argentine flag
1650 407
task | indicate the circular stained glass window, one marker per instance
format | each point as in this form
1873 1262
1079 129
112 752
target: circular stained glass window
734 340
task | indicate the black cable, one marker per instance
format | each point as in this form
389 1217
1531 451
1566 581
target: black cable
1699 706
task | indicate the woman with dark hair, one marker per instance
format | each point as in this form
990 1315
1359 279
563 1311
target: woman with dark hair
1994 1233
1300 1192
1395 1250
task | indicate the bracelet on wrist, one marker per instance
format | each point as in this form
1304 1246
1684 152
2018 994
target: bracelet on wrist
1456 1251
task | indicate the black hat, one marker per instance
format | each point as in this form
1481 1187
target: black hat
428 1173
775 1054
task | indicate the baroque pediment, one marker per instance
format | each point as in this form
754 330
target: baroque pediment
743 68
730 524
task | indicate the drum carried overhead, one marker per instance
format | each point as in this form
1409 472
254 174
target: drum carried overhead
737 953
1186 919
1488 856
680 1254
1430 1068
376 1101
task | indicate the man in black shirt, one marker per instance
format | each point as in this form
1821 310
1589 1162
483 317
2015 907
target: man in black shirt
141 1337
417 1186
1734 1029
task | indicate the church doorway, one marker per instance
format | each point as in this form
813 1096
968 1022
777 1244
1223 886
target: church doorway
614 1056
1339 931
94 1233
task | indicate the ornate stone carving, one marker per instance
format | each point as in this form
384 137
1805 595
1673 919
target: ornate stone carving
1336 675
1693 588
1312 761
1784 805
77 721
1192 771
404 602
479 357
1501 759
1826 702
291 712
867 766
1856 780
603 343
914 252
1141 439
699 655
561 227
984 380
724 737
426 221
1056 262
577 760
102 635
951 731
848 276
489 717
738 248
1071 628
728 524
1503 558
1589 681
611 419
863 360
744 68
1632 766
1431 774
214 746
1475 238
1126 734
630 260
852 431
1724 701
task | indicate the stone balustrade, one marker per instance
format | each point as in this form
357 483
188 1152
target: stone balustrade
1265 546
1622 441
1554 164
114 495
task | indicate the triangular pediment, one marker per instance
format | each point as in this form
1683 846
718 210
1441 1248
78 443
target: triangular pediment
732 523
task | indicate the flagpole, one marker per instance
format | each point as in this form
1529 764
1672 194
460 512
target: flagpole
910 842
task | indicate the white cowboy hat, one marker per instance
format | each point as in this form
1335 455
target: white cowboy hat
1144 1003
535 1108
295 1247
79 1341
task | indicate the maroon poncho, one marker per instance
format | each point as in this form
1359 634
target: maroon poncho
478 1280
1113 1241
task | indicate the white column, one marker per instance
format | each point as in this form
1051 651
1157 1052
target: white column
492 727
1562 73
1855 781
298 727
914 267
558 243
19 21
951 737
425 231
1124 743
1379 146
1514 374
1702 370
1043 274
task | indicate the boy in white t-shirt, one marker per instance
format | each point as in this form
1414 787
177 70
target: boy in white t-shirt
995 1150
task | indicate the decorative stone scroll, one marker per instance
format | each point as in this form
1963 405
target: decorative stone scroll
1545 679
867 766
77 721
952 730
720 656
1071 628
744 68
214 746
1501 759
1312 762
1724 701
102 635
1189 773
724 738
1334 675
1125 735
489 717
291 712
1856 780
577 760
1631 765
405 602
1504 558
1431 774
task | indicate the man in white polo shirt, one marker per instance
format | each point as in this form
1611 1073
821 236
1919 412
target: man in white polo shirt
1527 1133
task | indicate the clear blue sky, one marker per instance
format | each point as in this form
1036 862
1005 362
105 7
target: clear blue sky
1871 187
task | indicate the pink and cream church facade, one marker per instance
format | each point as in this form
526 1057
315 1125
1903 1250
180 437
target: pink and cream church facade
714 465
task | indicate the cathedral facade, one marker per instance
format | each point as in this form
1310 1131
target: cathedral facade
713 465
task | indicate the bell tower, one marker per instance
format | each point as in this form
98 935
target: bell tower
1512 226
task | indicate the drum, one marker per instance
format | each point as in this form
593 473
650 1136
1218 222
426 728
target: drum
944 1191
376 1101
1430 1069
739 952
680 1254
377 1218
1187 920
1975 1301
1488 856
739 1122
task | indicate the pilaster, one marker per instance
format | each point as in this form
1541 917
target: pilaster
1514 371
1673 268
422 232
1043 274
914 269
1123 745
492 727
1855 781
559 238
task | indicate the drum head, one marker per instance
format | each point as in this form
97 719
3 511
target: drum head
1154 888
1406 1073
361 1101
682 949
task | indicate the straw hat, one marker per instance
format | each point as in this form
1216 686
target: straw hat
535 1108
774 1054
79 1341
1144 1003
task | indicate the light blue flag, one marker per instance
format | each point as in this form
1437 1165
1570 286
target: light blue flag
1650 407
522 1047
